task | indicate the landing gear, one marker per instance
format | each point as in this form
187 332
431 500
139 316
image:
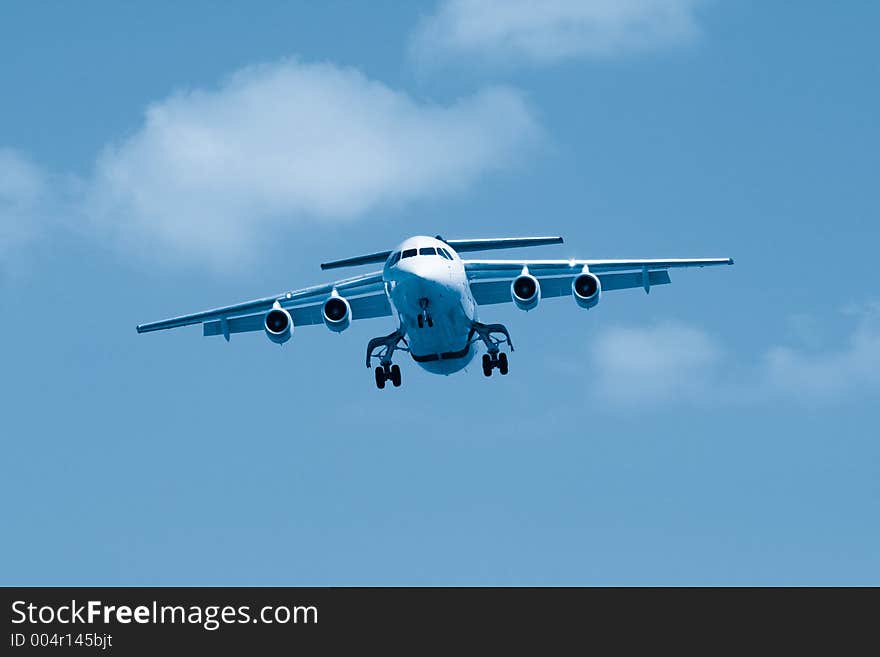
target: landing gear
495 357
385 373
386 347
490 363
424 317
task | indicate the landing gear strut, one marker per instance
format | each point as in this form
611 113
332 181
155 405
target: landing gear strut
386 346
495 358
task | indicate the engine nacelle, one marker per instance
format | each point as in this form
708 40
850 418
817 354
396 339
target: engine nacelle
278 325
525 292
586 289
337 313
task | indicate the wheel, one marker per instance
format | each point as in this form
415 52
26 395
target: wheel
502 363
395 375
380 378
487 365
420 320
430 322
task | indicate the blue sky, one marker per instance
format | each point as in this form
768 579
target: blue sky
165 159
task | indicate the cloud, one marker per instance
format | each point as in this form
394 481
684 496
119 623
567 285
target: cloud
680 363
23 191
277 145
834 373
669 360
501 31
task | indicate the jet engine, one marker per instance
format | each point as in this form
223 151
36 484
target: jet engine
586 289
525 291
337 313
278 325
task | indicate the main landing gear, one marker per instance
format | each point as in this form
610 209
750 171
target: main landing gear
386 346
490 363
494 358
385 373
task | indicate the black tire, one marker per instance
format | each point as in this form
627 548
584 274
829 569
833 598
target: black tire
380 378
487 365
395 375
502 363
420 320
430 322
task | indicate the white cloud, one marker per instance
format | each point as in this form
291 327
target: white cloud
676 362
22 195
523 30
669 360
276 145
854 366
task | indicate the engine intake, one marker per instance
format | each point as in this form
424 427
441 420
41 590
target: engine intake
525 291
586 289
337 313
279 325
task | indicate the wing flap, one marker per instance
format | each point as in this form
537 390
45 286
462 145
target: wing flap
356 285
479 269
491 292
365 307
368 307
235 325
632 280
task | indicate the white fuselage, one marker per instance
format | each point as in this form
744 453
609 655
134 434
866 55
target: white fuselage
434 287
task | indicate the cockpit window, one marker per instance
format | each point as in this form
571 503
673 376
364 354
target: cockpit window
443 252
394 258
427 250
408 253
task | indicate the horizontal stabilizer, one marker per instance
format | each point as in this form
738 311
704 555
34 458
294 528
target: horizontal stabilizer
490 243
483 244
380 256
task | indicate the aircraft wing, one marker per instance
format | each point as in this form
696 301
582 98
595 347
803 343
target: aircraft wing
365 293
490 279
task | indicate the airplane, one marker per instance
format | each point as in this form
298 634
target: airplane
433 293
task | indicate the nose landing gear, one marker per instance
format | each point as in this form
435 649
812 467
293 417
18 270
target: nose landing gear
424 316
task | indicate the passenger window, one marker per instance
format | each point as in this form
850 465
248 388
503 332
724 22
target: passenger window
427 250
408 253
